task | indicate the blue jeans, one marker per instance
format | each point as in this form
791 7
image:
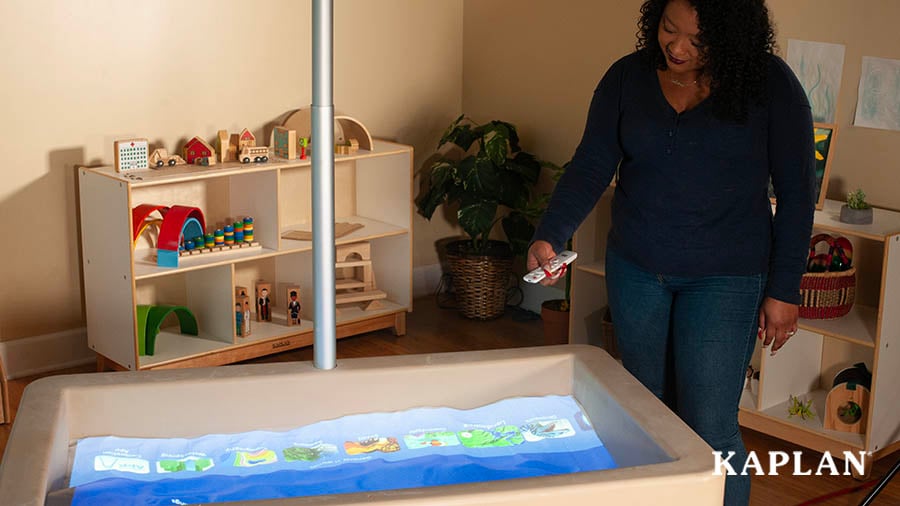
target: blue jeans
689 341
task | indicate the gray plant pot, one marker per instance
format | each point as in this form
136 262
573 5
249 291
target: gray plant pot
856 216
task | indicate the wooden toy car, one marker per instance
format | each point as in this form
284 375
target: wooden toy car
257 154
161 157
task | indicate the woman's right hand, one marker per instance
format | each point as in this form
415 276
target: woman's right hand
539 255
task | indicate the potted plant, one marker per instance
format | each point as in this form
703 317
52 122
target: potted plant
555 316
493 183
555 312
856 211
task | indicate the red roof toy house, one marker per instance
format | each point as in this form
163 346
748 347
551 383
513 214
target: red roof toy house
246 138
198 149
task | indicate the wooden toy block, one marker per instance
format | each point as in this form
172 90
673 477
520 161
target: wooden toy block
131 154
292 296
352 297
245 138
340 230
354 146
264 301
285 143
362 249
375 304
241 291
846 408
355 278
345 127
242 316
198 150
227 150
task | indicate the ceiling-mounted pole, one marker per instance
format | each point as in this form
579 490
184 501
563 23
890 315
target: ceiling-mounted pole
322 144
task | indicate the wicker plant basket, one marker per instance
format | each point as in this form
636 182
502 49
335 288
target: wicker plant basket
827 295
480 281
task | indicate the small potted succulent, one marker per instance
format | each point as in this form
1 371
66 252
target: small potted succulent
856 211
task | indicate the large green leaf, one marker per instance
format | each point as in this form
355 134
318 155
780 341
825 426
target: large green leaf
483 179
495 142
511 134
514 191
439 182
449 133
525 164
428 202
476 216
463 135
519 232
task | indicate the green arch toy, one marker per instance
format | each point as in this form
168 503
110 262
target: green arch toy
149 318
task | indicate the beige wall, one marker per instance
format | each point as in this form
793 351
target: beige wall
78 75
537 65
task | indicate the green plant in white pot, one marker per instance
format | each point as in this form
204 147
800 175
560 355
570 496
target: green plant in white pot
493 183
856 211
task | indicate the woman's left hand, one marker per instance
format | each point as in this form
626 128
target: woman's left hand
777 322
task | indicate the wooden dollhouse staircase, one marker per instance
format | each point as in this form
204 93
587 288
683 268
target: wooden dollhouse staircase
355 278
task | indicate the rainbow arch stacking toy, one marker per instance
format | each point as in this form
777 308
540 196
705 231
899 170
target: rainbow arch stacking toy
149 318
139 221
179 221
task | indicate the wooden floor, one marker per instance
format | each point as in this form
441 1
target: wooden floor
433 330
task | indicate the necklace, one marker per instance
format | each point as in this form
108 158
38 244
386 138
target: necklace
681 83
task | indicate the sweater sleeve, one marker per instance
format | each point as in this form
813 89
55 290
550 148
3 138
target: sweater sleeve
792 168
592 166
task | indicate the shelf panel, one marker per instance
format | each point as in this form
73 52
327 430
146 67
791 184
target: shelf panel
372 229
859 326
276 329
184 173
172 345
145 266
779 413
350 313
884 222
595 268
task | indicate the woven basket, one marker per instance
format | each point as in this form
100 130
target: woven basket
827 295
480 281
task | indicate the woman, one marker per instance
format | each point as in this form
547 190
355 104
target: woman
697 121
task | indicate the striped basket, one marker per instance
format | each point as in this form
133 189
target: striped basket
481 281
827 295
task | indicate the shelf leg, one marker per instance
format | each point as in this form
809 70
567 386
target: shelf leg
399 328
101 363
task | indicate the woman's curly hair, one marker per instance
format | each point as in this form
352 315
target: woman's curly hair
738 38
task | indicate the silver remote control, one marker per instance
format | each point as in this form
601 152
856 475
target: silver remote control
555 263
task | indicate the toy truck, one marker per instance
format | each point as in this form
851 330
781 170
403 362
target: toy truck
256 154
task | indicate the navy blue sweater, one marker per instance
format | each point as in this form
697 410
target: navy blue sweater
691 197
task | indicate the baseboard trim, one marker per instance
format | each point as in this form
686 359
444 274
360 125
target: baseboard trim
44 353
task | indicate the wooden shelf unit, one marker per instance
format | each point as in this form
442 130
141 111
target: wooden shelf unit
373 188
806 367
